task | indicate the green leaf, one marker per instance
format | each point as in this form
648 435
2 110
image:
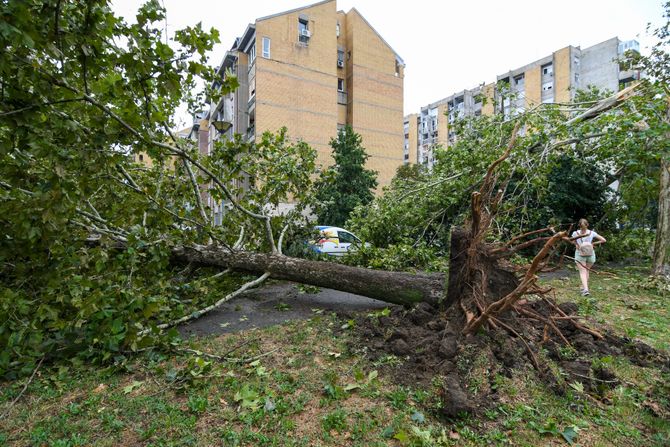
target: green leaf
577 386
401 436
132 387
388 432
569 434
418 417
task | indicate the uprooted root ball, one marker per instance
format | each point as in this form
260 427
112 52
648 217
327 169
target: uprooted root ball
430 349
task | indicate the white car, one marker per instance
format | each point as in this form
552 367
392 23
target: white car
334 241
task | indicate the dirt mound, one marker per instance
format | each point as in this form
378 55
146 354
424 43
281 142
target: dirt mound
430 346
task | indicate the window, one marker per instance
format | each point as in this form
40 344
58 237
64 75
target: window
576 78
252 124
519 82
340 127
347 238
340 58
547 86
266 47
252 88
547 70
337 29
341 93
141 157
303 30
252 53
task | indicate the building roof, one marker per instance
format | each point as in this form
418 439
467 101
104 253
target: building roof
398 58
242 42
293 10
228 60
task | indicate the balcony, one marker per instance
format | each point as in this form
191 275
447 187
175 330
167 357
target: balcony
632 45
342 97
222 114
629 75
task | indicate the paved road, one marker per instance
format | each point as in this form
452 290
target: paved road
279 302
275 304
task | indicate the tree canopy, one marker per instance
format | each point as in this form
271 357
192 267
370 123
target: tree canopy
346 184
84 258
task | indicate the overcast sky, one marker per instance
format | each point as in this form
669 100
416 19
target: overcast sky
447 45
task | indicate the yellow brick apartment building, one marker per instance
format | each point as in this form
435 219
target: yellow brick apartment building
552 79
314 70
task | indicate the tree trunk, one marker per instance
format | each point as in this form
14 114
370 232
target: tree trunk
661 265
391 287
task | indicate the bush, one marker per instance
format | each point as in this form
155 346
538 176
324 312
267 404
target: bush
628 244
400 257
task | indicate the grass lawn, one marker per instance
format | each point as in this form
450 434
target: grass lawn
300 384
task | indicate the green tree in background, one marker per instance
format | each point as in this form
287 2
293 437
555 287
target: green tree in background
578 189
346 184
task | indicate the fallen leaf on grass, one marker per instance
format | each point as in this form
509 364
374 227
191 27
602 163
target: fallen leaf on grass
454 435
100 388
418 417
132 387
569 434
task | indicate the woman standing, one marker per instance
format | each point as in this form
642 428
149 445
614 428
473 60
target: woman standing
585 255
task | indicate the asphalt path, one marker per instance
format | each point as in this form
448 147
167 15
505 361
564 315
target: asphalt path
275 303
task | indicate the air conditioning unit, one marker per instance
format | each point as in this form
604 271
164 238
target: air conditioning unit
305 33
340 64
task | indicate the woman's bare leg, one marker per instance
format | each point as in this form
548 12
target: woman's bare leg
588 274
583 275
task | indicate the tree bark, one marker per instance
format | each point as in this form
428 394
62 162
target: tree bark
391 287
661 264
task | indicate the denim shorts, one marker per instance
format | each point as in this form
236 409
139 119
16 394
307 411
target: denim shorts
585 259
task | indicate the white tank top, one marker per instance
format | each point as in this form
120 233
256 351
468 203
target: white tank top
586 238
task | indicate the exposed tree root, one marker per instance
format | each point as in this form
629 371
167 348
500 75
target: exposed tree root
495 319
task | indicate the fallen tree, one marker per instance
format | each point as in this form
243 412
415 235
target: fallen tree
474 265
100 106
391 287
